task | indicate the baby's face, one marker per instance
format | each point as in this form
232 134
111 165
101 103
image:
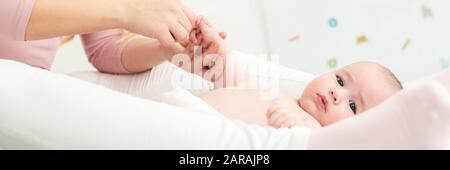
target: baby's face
346 92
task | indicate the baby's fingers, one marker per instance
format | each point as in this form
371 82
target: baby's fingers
203 26
282 122
193 37
207 22
278 116
271 110
223 35
291 123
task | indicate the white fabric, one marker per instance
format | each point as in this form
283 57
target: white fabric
44 110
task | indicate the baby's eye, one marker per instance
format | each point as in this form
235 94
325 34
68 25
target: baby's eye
340 81
352 105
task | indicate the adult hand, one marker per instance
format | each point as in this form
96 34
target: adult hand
169 21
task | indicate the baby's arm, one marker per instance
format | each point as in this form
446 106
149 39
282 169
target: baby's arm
285 112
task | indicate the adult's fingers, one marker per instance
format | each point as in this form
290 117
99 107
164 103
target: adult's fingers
188 13
180 34
185 22
166 39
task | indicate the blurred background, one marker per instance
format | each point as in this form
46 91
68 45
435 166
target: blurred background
411 37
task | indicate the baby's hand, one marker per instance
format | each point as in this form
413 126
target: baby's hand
205 35
285 112
214 51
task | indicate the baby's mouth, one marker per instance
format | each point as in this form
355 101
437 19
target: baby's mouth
322 102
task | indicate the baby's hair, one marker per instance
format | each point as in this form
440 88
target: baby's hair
391 77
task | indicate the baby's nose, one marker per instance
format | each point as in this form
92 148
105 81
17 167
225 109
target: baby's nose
334 95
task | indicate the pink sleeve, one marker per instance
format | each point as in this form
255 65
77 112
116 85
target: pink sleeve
14 16
105 51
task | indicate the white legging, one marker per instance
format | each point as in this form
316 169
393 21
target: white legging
50 109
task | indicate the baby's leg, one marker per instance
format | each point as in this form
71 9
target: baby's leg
416 118
149 85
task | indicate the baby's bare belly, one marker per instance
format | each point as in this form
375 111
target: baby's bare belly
249 106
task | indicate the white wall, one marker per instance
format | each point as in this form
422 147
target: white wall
386 23
241 19
71 58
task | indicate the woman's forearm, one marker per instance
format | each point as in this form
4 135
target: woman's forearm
142 54
52 18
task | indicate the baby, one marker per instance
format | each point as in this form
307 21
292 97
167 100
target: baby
338 95
327 99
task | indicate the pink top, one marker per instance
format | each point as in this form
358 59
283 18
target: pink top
102 48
